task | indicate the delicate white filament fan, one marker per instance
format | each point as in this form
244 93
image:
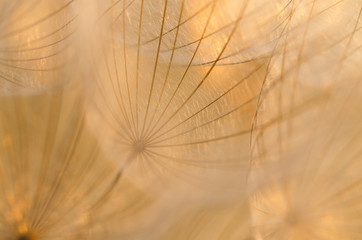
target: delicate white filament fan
180 119
307 159
177 84
35 44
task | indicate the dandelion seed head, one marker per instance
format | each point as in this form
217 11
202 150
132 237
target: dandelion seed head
307 160
175 77
150 110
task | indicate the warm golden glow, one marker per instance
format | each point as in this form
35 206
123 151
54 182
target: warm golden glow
180 120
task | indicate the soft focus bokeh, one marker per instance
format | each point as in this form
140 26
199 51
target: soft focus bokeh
180 119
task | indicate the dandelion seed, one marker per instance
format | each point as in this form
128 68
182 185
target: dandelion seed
105 105
51 171
306 165
175 83
35 44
